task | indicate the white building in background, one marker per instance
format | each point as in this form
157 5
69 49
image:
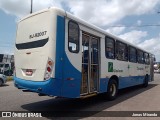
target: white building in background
6 64
4 58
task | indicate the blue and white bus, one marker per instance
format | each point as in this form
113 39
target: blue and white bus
58 54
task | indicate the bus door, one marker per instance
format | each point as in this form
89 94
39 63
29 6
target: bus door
90 64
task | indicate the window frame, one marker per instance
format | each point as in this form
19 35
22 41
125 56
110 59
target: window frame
78 43
117 47
148 58
129 59
138 56
106 46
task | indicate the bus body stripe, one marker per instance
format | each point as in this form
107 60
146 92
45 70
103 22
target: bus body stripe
48 87
59 47
123 82
64 68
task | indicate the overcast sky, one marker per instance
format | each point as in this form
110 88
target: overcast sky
132 18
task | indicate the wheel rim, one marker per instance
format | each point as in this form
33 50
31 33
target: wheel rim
113 90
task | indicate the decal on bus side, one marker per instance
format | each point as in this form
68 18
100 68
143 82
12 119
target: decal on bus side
110 66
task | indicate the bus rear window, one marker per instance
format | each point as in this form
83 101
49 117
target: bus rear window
34 44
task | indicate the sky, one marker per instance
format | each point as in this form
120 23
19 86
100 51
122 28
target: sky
136 21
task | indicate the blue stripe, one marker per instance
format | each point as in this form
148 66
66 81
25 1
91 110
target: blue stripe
130 81
49 87
103 85
64 68
123 82
60 41
71 88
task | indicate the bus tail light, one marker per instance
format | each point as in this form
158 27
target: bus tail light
49 68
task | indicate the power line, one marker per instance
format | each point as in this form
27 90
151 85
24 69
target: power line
148 25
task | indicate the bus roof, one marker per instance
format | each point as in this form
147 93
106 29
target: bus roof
83 22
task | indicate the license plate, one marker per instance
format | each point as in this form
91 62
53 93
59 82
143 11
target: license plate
29 72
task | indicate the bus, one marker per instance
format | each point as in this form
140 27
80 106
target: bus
58 54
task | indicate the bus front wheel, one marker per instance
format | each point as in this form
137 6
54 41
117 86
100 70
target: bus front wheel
112 90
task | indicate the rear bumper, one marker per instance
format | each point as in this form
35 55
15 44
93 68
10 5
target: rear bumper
48 87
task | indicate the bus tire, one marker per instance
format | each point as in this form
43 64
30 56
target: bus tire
112 90
145 84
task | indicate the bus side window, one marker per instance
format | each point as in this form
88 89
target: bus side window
146 58
121 51
132 54
73 37
140 56
109 48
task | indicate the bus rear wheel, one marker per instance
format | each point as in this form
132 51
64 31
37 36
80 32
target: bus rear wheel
112 90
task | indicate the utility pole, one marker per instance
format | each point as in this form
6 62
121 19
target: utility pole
31 6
